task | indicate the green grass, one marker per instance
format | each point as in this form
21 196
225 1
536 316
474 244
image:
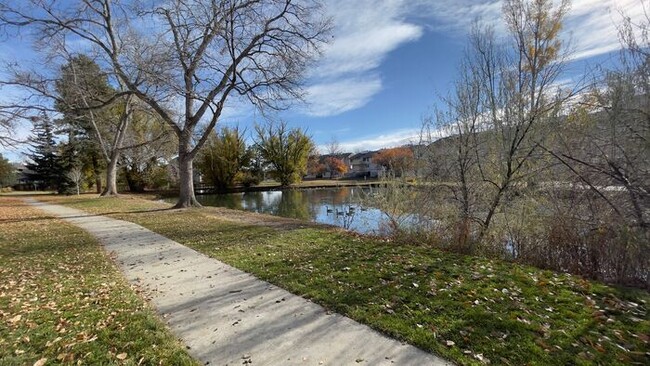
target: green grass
466 309
63 300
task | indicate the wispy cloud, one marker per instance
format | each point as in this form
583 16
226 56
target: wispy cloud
330 98
590 26
366 31
457 16
374 142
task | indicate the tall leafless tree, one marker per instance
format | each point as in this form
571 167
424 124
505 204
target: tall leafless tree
457 154
504 97
520 95
190 56
333 147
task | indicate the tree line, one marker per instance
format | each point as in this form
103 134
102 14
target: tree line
177 62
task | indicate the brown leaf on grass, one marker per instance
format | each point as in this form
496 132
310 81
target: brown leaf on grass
15 319
50 343
65 357
121 356
40 362
644 337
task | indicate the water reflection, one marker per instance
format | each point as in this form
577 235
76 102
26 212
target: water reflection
335 206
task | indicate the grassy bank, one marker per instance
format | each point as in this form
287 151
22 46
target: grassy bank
62 301
469 310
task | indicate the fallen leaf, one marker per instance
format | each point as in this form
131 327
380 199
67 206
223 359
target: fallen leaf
121 356
15 319
40 362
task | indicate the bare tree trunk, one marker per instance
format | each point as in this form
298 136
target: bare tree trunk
98 178
491 211
186 197
111 168
111 177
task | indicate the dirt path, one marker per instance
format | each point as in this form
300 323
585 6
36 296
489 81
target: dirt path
228 317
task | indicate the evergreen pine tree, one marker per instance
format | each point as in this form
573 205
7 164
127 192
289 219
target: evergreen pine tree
45 170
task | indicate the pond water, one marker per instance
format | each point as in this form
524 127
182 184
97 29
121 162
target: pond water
341 207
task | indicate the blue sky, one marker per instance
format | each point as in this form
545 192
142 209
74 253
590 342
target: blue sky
391 60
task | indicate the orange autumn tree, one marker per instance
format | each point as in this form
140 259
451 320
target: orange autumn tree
335 165
397 160
314 166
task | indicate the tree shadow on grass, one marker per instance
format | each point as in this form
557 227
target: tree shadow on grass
50 217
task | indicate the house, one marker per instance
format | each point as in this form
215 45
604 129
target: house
362 165
24 182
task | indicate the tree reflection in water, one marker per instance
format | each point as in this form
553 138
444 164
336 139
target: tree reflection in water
334 206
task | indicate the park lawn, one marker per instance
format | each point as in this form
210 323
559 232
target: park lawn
469 310
63 301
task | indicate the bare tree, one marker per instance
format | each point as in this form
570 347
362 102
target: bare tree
503 100
457 154
6 132
334 147
609 150
109 117
191 55
76 176
520 95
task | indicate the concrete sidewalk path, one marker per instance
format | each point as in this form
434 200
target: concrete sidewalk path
229 317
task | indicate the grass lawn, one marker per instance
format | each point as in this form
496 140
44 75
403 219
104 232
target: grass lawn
62 300
466 309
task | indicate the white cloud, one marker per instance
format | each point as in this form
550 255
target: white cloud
343 95
590 25
375 142
365 32
457 16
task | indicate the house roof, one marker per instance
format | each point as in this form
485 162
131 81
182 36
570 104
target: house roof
365 154
341 156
